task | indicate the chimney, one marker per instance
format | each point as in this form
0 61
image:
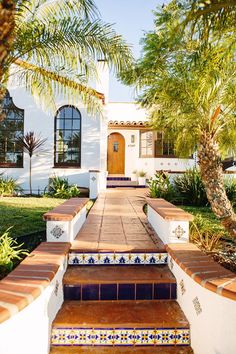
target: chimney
102 84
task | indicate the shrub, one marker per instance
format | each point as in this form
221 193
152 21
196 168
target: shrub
205 234
161 187
230 187
9 186
189 187
10 251
60 188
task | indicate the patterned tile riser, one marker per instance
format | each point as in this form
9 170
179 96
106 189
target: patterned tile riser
117 258
120 336
100 292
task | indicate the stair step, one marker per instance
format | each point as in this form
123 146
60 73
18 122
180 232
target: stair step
106 258
121 350
117 178
117 283
118 323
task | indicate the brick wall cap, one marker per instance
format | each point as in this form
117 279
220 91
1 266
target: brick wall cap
168 211
208 273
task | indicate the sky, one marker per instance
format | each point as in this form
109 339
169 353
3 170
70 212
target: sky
131 18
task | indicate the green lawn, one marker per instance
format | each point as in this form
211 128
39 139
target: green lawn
24 214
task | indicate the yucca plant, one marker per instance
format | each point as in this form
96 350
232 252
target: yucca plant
9 186
60 188
190 188
31 144
160 187
10 251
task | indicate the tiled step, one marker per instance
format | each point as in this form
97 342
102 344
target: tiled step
121 350
107 258
118 178
117 283
123 184
120 323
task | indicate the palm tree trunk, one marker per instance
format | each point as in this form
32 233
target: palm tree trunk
213 179
7 24
30 176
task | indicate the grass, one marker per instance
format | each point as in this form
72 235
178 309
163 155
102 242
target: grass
25 215
205 212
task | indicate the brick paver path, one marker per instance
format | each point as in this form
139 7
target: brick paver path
117 223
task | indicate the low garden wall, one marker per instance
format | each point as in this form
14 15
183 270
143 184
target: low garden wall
30 297
170 223
206 293
65 221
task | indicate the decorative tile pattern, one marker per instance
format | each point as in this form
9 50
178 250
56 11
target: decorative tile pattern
182 287
111 258
56 288
57 232
171 264
197 306
120 336
179 232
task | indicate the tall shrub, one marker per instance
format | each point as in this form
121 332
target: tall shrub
190 188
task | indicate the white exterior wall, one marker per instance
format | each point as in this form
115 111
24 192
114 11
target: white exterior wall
29 331
43 165
212 317
131 112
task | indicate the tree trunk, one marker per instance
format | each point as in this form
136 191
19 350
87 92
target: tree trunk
213 179
7 24
30 176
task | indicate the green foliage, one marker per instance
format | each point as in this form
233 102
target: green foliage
9 186
230 188
184 79
25 214
160 187
190 189
205 233
141 173
56 47
60 188
10 251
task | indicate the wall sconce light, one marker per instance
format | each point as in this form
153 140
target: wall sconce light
132 139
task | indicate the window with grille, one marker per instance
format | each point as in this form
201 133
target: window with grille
155 144
11 128
68 137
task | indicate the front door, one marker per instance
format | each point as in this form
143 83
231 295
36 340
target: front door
116 154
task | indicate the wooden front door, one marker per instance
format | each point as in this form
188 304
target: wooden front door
116 154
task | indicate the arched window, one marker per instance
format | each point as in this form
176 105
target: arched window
68 137
11 128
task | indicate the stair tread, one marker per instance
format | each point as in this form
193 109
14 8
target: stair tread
125 314
117 274
121 350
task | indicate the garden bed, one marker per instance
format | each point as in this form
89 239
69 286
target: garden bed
223 247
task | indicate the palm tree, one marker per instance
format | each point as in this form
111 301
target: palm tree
31 144
55 49
189 88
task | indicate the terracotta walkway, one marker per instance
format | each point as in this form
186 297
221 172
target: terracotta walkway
117 223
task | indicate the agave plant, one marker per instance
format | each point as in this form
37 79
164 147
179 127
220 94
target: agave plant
31 144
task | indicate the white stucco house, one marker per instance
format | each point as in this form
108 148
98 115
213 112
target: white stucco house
77 143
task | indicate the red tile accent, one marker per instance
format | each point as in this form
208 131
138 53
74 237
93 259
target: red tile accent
66 211
203 269
168 211
28 280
